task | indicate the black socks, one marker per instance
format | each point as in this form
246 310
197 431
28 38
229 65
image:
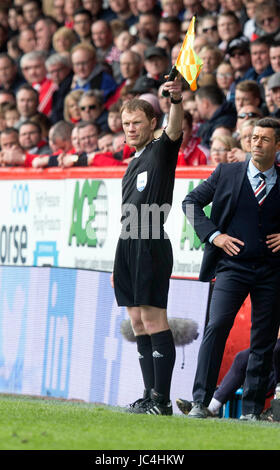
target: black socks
164 355
157 358
144 347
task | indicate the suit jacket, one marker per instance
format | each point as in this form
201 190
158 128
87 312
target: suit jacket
222 188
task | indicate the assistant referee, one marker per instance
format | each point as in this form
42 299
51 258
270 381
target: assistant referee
143 261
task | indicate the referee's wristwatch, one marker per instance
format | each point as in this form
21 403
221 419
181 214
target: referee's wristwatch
176 101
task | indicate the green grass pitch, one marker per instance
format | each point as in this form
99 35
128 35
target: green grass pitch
28 423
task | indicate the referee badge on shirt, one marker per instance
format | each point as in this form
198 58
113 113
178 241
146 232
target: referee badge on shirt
141 181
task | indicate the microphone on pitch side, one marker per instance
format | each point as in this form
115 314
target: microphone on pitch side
172 74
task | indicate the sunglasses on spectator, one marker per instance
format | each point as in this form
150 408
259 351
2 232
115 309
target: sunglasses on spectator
211 28
269 20
250 115
90 107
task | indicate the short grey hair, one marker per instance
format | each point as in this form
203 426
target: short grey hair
55 59
33 55
62 129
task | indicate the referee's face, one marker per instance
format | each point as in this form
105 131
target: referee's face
138 129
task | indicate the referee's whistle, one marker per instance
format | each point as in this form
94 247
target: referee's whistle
172 74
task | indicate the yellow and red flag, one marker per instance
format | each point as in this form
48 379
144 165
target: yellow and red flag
188 64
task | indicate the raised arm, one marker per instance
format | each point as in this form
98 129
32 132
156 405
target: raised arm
175 121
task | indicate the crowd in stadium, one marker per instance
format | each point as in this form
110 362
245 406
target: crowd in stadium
67 66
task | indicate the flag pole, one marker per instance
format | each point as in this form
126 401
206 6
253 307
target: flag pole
172 75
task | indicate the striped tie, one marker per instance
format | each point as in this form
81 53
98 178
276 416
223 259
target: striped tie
260 191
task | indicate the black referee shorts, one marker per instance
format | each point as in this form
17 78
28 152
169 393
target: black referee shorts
142 270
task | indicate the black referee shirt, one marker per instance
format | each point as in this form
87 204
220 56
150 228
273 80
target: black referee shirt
149 180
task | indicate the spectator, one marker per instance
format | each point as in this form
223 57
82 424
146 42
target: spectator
212 6
10 78
58 11
75 140
220 146
274 56
170 28
43 121
31 11
102 37
273 85
193 7
246 112
250 25
88 136
96 9
191 106
9 138
90 153
212 56
114 118
13 49
267 18
246 132
247 92
71 111
12 19
30 139
11 152
60 71
11 115
259 50
27 40
173 8
88 73
16 19
69 9
33 67
148 6
35 73
213 107
191 153
225 77
63 40
199 43
105 142
61 135
92 109
228 28
269 106
123 41
237 7
147 29
60 138
156 63
106 51
130 66
240 60
82 23
45 28
209 29
120 9
7 97
27 103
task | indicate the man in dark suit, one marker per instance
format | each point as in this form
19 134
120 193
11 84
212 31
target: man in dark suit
242 251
